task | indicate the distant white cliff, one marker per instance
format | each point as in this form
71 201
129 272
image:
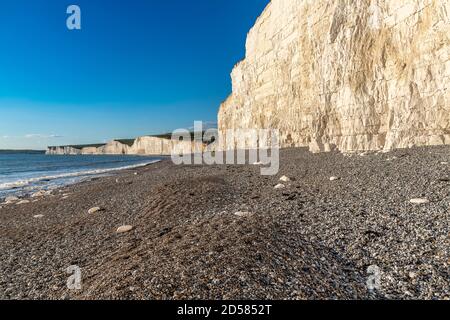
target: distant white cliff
140 146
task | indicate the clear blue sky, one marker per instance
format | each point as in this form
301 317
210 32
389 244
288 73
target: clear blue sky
137 67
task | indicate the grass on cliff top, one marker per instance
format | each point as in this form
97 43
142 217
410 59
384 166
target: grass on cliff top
128 142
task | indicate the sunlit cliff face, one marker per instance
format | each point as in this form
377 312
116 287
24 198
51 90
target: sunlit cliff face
364 75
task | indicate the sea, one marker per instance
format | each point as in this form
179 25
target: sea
26 172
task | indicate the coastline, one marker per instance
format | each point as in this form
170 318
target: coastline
23 189
314 239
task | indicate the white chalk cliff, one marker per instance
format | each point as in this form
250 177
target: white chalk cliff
141 146
346 74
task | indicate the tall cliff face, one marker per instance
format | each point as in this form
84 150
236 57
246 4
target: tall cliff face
355 75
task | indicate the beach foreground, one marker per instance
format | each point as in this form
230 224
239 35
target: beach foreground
225 232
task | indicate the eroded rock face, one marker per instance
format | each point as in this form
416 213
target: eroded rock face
114 147
141 146
351 75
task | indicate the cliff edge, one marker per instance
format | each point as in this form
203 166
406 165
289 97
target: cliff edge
147 145
351 75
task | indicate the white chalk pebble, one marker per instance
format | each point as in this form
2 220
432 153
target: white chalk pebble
419 201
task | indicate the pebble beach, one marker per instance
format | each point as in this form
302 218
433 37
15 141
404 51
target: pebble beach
322 228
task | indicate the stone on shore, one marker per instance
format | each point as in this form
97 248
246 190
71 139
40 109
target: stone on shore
124 229
11 199
243 214
334 178
94 210
419 201
285 179
41 193
23 202
38 216
279 186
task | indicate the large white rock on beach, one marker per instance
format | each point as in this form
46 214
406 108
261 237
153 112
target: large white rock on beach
94 210
124 229
419 201
279 186
285 179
